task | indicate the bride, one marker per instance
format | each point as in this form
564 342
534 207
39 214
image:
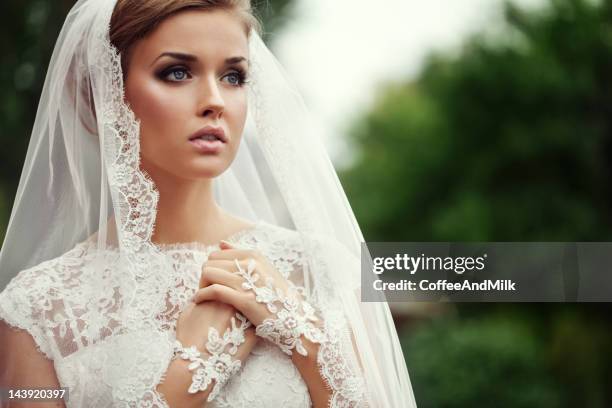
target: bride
179 236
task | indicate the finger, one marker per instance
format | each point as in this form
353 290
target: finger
226 264
211 275
234 253
229 266
226 245
249 335
220 293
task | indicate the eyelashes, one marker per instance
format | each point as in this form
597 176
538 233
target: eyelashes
241 75
238 73
165 73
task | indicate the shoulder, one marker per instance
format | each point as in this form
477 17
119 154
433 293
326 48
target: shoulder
321 252
275 236
266 232
281 245
49 273
279 240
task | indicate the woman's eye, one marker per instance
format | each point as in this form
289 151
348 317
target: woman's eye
235 78
179 74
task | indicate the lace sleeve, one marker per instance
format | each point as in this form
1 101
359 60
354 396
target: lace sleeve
22 307
26 357
35 306
305 262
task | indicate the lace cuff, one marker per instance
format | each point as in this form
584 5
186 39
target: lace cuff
294 317
217 365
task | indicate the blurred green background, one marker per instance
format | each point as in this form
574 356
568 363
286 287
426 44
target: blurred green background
509 139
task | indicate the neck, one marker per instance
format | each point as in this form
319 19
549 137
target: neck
186 211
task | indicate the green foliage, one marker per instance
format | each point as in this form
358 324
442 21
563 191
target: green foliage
511 140
25 45
479 363
580 339
506 355
274 14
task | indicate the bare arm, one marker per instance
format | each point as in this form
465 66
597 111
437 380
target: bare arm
309 369
280 313
23 366
178 378
193 330
175 385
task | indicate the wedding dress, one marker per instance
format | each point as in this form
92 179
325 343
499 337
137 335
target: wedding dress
79 272
49 303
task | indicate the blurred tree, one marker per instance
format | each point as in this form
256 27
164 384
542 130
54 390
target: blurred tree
274 14
479 363
512 355
511 140
28 31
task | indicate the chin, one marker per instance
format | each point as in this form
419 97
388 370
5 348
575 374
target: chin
208 172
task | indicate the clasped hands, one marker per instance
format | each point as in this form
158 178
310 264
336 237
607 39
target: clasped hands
247 281
276 307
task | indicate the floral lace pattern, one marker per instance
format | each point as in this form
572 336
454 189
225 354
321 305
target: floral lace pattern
52 301
218 365
107 318
294 320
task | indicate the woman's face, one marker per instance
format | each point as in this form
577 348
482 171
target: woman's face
199 84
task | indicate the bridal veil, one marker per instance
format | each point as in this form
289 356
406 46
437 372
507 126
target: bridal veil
81 179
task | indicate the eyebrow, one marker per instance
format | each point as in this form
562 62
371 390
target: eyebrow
190 57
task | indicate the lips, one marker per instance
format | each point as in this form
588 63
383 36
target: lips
208 140
209 133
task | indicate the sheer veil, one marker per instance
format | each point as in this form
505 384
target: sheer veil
81 181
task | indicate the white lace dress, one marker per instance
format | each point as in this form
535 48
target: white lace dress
49 302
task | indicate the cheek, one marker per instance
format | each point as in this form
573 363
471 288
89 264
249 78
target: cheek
236 112
159 110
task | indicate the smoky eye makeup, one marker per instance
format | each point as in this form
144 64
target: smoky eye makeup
240 71
235 73
180 72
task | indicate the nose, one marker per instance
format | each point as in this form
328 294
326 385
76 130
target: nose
211 103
